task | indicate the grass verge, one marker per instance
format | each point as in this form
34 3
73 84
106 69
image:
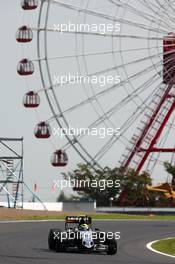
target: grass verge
18 214
108 217
166 246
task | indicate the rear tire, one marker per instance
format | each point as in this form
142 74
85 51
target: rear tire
52 238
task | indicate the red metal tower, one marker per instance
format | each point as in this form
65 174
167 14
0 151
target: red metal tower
144 141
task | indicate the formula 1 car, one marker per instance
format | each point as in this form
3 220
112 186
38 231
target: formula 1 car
80 236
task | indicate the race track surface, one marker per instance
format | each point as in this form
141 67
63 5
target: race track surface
27 243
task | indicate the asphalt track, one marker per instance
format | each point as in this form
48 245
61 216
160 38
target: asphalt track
27 243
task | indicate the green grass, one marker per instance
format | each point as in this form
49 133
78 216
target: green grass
105 216
134 217
165 246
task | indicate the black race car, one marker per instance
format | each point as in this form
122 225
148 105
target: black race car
79 235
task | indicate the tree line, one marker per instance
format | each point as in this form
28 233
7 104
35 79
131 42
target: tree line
116 186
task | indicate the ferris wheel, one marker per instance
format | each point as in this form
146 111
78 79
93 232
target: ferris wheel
115 104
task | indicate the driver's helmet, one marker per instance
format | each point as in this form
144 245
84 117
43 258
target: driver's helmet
84 227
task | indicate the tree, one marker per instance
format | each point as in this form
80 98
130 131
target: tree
104 185
133 191
62 197
95 184
171 170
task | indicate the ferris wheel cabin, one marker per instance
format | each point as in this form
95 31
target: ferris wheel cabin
24 34
31 100
59 158
25 67
43 130
29 4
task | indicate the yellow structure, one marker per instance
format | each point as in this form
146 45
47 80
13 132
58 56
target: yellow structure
164 188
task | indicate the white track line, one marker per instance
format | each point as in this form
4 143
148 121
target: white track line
149 246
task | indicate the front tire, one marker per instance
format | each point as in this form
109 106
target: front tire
60 246
112 247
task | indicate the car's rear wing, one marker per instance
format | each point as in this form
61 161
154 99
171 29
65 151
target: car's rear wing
78 219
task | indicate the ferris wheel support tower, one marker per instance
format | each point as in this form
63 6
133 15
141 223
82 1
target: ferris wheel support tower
162 106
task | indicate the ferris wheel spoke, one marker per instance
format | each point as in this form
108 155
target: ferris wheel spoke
167 16
131 119
169 3
100 53
110 18
96 34
139 110
88 54
127 99
110 89
162 6
100 154
157 9
124 102
134 116
139 73
105 35
110 144
127 64
140 13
